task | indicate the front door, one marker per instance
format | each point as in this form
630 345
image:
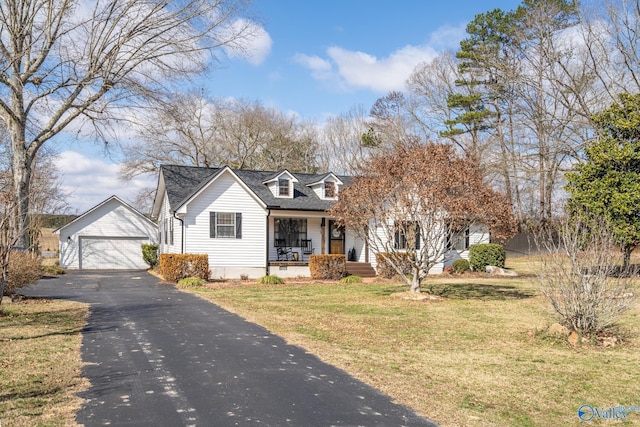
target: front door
336 238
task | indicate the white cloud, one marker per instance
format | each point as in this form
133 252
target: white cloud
320 68
349 69
365 71
90 181
257 45
447 37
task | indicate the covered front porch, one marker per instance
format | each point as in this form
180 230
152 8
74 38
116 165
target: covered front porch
294 236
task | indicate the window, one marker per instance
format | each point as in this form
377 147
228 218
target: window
289 232
329 190
171 231
407 235
283 187
458 239
225 225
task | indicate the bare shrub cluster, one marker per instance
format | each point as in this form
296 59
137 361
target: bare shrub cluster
582 274
24 269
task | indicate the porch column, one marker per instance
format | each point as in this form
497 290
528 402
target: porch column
323 239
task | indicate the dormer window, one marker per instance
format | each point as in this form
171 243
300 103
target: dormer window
329 190
281 184
283 187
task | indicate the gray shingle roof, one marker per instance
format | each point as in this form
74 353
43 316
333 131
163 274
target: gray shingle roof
182 182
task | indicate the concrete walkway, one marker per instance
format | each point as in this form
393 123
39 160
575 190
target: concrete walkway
159 357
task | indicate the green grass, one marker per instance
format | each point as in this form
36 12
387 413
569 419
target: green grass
40 362
191 282
478 355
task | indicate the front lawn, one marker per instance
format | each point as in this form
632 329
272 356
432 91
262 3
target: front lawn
40 362
478 356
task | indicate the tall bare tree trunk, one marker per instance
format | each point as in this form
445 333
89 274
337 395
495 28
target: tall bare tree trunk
22 163
514 166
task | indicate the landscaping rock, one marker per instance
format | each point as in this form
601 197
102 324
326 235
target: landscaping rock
609 341
497 271
558 329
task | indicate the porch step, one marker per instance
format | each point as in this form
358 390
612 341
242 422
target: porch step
362 269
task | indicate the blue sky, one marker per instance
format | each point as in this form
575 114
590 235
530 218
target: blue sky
313 58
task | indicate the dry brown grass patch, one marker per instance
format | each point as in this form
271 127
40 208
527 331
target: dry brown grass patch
40 362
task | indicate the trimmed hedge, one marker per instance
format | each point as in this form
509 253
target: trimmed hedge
174 267
460 265
384 269
328 267
486 254
150 254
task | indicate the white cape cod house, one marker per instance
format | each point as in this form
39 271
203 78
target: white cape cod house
251 223
254 223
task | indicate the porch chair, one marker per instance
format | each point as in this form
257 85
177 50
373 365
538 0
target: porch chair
307 248
284 254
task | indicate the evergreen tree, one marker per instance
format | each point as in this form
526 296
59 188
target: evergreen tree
607 183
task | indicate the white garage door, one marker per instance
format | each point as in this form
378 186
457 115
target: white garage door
111 253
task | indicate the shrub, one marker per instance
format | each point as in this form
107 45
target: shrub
328 267
447 269
53 269
578 274
460 265
150 254
486 254
384 269
351 279
174 267
270 280
24 269
191 282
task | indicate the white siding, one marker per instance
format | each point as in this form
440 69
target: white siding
477 234
167 215
111 219
226 194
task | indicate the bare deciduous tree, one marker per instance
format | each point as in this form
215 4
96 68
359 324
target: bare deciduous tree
197 131
429 87
340 148
8 236
65 60
406 203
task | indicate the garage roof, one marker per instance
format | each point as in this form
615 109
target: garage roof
98 206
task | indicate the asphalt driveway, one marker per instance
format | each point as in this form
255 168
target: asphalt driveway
160 357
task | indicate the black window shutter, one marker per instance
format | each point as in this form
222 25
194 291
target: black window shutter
212 225
417 236
466 243
238 225
397 237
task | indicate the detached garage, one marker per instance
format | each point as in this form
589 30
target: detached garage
108 236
